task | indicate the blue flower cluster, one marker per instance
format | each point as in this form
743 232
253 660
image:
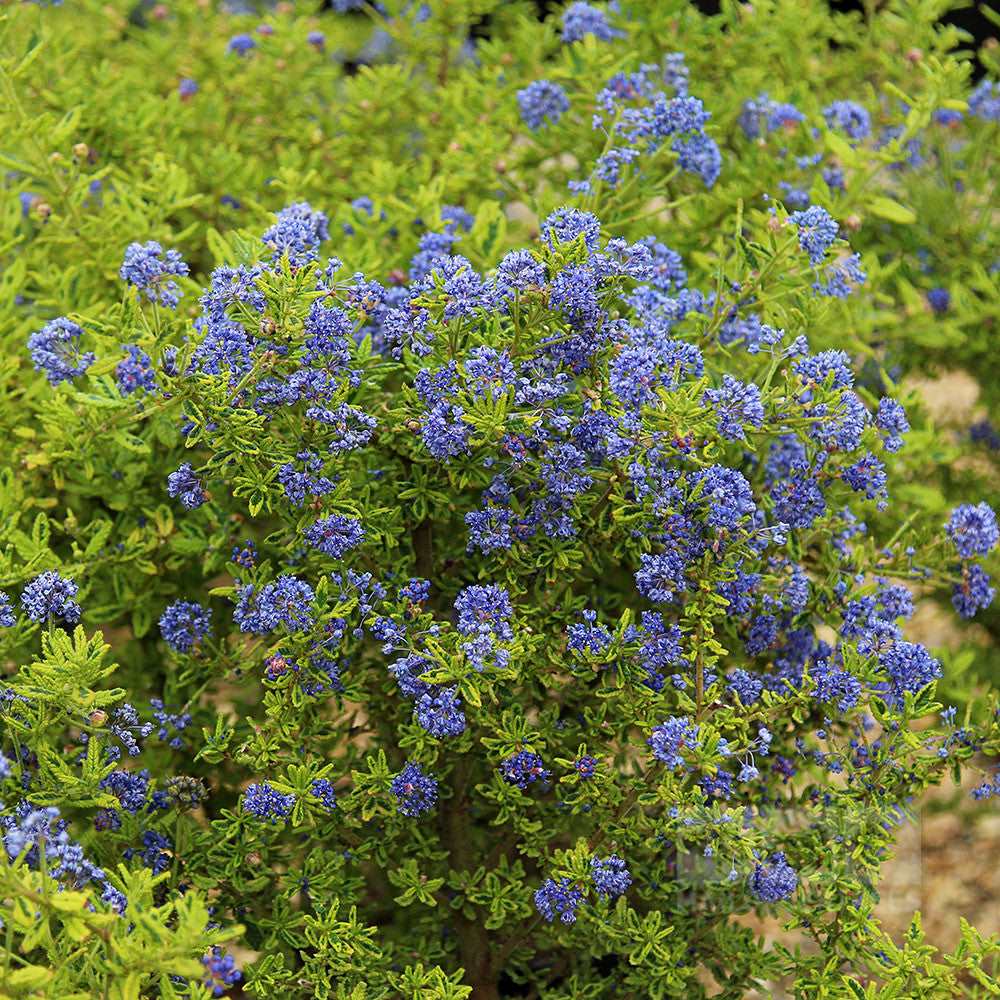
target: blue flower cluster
184 624
152 271
542 102
416 792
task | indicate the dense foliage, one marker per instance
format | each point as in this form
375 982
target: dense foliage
514 602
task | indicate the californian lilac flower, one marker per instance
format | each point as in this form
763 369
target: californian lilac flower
727 494
610 876
817 231
8 618
187 88
50 596
151 270
416 792
762 635
910 668
842 278
773 881
834 684
868 476
737 404
585 766
185 485
285 601
671 737
798 500
518 272
561 898
298 232
582 19
565 224
431 249
746 686
699 154
267 803
455 217
590 636
817 369
220 971
973 593
668 273
891 419
489 372
233 286
973 529
439 711
540 102
983 432
131 788
842 428
135 371
663 118
609 166
316 39
335 535
328 336
848 117
947 117
486 606
490 529
184 624
55 350
939 300
524 768
463 288
168 721
984 101
298 485
322 789
574 293
352 427
155 853
125 725
416 591
29 829
661 576
241 44
762 114
444 431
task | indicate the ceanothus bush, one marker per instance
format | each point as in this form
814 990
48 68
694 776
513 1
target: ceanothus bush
554 626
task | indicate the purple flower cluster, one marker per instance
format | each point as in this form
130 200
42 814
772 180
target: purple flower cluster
50 596
266 803
559 898
335 535
542 102
184 624
524 768
416 792
151 270
610 876
185 485
285 601
55 350
775 880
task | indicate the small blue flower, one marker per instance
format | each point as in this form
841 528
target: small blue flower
775 880
416 793
55 350
50 595
185 485
184 624
542 102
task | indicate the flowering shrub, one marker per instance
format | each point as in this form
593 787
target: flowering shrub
511 602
